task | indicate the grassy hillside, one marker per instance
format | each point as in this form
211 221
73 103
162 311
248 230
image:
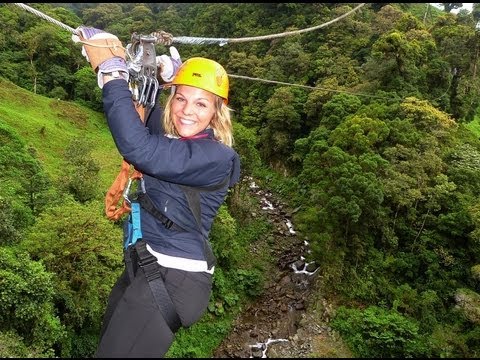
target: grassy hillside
474 126
49 125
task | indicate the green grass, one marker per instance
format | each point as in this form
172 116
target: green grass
49 125
474 126
201 340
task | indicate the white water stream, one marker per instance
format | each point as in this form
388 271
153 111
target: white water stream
267 205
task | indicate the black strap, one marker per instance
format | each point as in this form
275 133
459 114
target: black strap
148 205
148 263
130 263
193 198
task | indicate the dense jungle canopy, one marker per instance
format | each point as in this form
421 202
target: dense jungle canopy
367 126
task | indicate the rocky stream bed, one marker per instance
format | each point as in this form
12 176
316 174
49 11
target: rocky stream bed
290 319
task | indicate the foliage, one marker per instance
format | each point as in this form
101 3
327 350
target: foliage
454 341
25 186
84 253
12 346
282 125
227 247
27 306
201 339
374 157
10 234
81 172
235 277
245 143
87 91
379 333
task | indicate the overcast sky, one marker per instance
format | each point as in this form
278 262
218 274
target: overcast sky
467 6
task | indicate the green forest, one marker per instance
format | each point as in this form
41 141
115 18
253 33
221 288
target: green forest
368 125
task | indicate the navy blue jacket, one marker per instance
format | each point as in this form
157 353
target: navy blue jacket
166 162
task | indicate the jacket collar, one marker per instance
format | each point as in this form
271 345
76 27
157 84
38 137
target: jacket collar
205 134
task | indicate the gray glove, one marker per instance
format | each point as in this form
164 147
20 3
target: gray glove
168 65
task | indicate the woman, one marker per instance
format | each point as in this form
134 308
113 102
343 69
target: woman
188 164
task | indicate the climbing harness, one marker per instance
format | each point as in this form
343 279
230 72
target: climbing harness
140 199
136 255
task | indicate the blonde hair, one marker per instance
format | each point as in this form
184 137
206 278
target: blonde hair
221 122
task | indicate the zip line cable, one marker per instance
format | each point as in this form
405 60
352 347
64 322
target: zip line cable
222 42
168 39
302 86
46 17
203 40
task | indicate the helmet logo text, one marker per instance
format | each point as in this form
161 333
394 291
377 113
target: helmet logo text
219 77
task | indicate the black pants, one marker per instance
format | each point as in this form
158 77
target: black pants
133 325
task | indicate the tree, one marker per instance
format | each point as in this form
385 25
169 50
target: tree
448 7
337 110
9 233
476 12
83 250
283 125
27 306
103 16
81 177
379 333
31 186
359 135
401 57
245 143
458 45
86 88
36 183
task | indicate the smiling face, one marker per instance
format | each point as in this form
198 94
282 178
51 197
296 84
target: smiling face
192 109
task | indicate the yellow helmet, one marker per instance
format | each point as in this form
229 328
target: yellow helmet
205 74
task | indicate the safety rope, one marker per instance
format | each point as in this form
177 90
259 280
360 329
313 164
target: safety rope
302 86
46 17
165 38
224 41
162 37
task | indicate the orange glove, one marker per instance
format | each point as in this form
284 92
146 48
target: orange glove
103 51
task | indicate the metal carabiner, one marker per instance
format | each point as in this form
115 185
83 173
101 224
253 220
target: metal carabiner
126 191
142 97
142 66
153 94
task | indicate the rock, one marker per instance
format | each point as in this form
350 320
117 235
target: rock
282 311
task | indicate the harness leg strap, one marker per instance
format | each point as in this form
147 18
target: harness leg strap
150 267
